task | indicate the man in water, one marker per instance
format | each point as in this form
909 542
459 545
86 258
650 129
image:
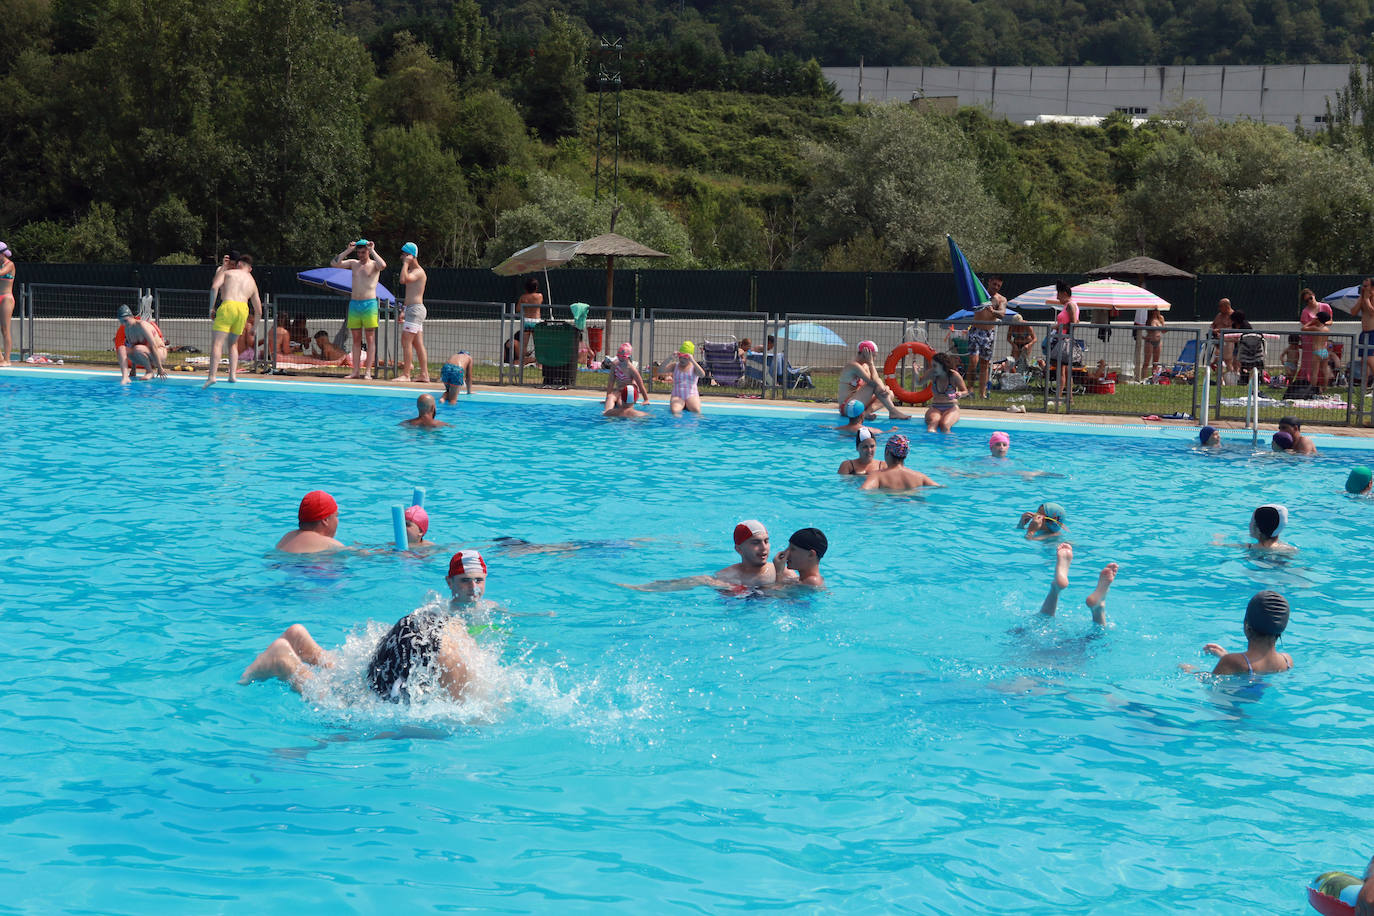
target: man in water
753 568
1302 445
425 641
237 290
424 414
138 342
799 563
1096 601
980 334
456 373
317 521
366 266
897 476
861 381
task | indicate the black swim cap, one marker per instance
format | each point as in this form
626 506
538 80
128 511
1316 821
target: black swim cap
810 539
1267 613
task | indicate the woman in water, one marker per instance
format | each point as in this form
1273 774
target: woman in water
1061 344
625 385
867 462
685 373
948 386
6 300
1266 617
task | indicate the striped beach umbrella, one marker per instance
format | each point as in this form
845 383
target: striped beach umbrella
1114 294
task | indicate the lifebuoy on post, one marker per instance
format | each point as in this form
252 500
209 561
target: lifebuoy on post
914 347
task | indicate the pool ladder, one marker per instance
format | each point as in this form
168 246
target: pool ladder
1251 403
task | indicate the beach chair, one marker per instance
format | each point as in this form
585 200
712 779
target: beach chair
1187 360
757 367
722 361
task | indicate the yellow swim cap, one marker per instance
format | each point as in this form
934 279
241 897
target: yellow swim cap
687 347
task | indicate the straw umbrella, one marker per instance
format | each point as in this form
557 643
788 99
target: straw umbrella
615 246
1139 267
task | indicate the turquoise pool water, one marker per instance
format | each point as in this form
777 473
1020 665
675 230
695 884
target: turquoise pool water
913 739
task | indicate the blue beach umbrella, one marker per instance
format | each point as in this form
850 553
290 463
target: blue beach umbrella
337 280
1344 299
967 315
972 295
812 333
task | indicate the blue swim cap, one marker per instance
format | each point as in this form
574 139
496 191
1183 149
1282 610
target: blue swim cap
410 249
854 409
1205 434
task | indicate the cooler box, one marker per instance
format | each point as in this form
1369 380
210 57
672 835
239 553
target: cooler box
555 346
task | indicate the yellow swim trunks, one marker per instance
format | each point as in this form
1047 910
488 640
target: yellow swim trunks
231 316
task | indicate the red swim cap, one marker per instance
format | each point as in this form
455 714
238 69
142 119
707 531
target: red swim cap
467 562
316 506
749 528
419 517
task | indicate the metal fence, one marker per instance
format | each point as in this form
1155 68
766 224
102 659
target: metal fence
76 323
1317 377
723 342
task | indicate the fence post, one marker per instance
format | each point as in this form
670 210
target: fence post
269 314
32 330
1352 349
22 303
649 350
1197 349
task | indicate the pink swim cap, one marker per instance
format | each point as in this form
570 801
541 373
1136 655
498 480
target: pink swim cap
419 517
867 346
999 439
626 350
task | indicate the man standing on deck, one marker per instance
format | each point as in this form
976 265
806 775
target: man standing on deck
237 290
413 278
366 266
980 334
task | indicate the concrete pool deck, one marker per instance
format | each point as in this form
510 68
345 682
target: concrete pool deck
1357 436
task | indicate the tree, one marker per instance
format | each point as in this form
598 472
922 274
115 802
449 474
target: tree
551 93
907 178
417 89
419 195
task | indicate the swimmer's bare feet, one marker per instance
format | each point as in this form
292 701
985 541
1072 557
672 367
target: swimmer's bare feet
1097 601
424 380
355 375
278 660
898 415
208 383
1063 557
401 378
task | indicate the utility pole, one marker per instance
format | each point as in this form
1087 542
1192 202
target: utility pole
608 77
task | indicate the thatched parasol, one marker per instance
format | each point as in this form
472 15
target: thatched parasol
1139 267
614 246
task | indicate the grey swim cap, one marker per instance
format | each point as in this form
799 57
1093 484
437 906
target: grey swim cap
1267 613
124 312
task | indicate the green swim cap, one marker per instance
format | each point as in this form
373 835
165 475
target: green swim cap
1359 479
687 347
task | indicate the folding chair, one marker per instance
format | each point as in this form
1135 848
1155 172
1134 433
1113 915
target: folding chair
722 361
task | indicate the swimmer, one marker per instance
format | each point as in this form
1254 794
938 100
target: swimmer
237 291
865 463
317 522
1266 617
624 384
426 639
1265 524
1096 600
999 444
799 563
622 404
1282 442
684 374
1209 437
1360 481
854 410
1302 445
456 373
1045 523
897 476
752 570
424 414
417 526
861 380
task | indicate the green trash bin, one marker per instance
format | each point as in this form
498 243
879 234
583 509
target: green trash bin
555 347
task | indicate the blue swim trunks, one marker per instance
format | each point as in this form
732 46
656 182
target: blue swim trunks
451 374
362 314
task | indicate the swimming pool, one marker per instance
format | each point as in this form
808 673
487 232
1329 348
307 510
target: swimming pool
914 738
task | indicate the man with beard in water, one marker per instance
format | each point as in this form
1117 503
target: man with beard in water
426 640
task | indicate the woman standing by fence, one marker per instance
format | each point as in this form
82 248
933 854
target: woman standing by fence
6 300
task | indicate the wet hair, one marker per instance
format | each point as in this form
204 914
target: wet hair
532 285
1061 287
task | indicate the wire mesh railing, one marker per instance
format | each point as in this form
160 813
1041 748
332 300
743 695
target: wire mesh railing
727 345
1318 377
77 323
484 330
805 353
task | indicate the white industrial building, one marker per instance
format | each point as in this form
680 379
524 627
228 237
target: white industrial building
1285 94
